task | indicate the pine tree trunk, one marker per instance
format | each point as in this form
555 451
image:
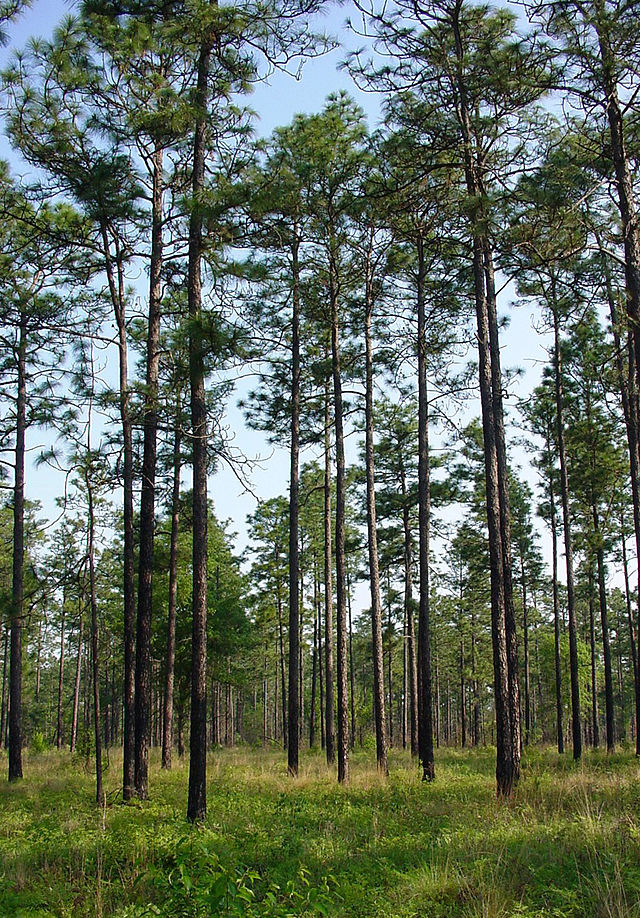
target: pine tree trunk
147 498
17 584
556 620
341 583
328 587
425 724
5 661
59 738
408 604
352 674
568 540
117 292
372 533
294 572
606 643
167 714
525 635
197 801
93 601
595 729
314 667
75 710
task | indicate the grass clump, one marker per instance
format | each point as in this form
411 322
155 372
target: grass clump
566 846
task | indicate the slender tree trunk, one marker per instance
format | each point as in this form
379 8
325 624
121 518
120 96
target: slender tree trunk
606 643
352 675
408 604
328 586
505 509
425 724
556 619
283 663
372 533
525 634
294 565
147 499
341 583
463 707
197 802
59 739
17 587
167 723
76 686
595 730
5 661
568 540
314 667
476 691
117 291
93 601
323 741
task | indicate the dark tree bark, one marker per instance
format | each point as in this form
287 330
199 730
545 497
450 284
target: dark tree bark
147 499
606 642
59 738
197 801
167 714
425 724
372 533
568 540
17 583
76 685
556 619
294 565
595 728
341 583
93 601
525 636
5 661
328 587
412 664
314 666
116 282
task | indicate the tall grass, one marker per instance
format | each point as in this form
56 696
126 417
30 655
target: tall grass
566 846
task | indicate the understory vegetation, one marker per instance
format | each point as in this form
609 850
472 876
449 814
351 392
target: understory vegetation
567 844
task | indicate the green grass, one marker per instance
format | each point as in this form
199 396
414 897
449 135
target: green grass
568 846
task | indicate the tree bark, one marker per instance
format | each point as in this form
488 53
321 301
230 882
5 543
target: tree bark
374 570
341 584
17 583
425 720
147 499
167 714
197 801
568 540
294 565
117 292
328 587
59 738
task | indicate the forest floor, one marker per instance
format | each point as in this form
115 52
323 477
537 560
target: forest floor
567 845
